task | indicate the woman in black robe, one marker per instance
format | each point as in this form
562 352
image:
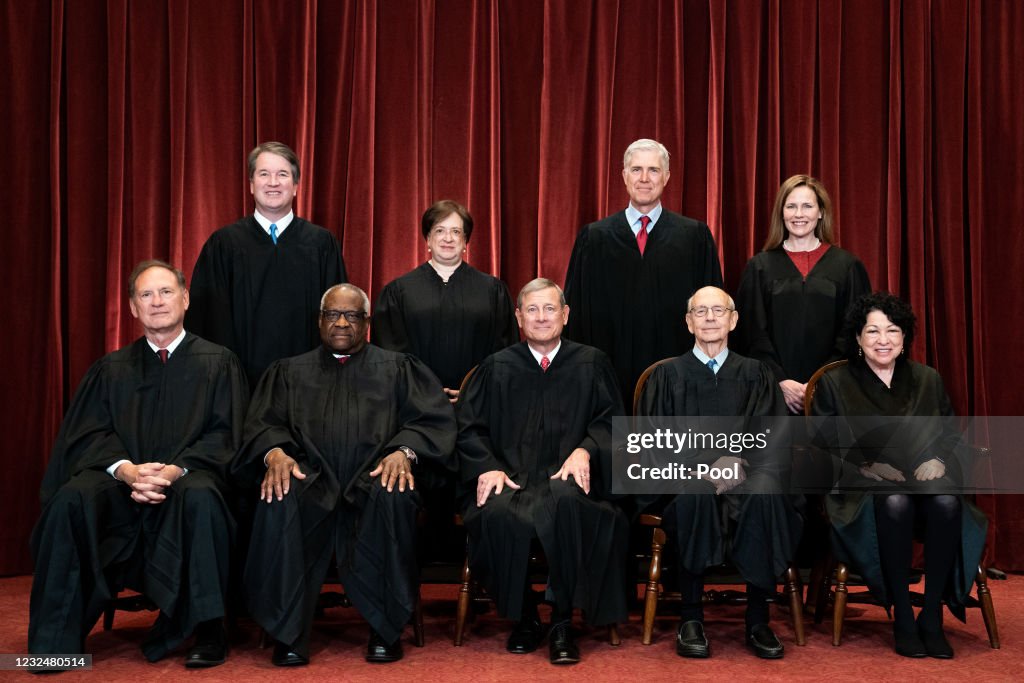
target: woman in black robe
794 294
445 312
911 466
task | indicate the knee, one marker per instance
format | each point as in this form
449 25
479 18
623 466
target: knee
944 507
894 507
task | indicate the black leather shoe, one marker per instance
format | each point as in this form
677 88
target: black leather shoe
284 657
210 647
908 643
561 644
525 637
935 643
691 641
379 651
764 643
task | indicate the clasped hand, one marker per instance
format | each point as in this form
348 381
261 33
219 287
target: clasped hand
148 480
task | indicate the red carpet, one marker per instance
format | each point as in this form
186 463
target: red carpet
339 639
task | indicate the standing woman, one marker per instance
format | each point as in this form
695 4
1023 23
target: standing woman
445 312
793 296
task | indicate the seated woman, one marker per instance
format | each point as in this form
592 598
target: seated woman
912 469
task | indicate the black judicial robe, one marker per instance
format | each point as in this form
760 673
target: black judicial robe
449 326
767 527
131 406
793 323
633 307
338 421
519 419
917 390
259 299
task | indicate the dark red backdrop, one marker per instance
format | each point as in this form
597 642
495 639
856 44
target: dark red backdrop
128 122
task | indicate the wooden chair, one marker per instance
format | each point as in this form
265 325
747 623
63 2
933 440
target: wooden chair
469 592
653 592
830 570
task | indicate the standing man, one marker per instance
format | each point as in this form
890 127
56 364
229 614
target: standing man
712 381
257 282
535 429
630 274
133 495
338 436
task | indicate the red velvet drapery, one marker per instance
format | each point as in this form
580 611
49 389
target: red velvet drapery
128 123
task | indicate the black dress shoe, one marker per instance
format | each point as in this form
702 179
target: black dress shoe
561 644
935 643
525 636
284 657
691 641
379 651
908 643
764 643
210 647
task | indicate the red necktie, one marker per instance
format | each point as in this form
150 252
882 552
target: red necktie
641 237
343 359
544 363
163 353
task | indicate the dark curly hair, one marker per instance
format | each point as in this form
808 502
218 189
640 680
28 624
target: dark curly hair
895 308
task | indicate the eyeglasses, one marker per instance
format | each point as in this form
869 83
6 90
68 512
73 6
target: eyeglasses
352 317
702 311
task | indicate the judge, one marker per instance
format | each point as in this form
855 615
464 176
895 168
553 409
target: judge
132 496
257 282
713 381
630 273
794 294
534 449
336 436
445 312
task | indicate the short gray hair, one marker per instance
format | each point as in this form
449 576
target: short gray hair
731 304
646 145
537 285
348 287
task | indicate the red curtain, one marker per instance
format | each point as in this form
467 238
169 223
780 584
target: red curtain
128 124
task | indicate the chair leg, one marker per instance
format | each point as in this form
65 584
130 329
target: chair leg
613 635
988 610
417 622
651 592
463 606
796 604
839 609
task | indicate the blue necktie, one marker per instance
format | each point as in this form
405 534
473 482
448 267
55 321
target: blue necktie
711 364
273 232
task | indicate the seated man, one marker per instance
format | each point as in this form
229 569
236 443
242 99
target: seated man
535 447
134 492
335 435
715 382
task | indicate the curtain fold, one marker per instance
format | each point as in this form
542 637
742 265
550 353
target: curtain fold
130 123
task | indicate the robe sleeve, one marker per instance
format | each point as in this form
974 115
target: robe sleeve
210 314
752 303
222 434
388 327
574 294
765 401
267 426
856 285
87 440
426 419
475 448
607 401
506 332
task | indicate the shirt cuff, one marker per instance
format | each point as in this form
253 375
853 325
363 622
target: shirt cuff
113 468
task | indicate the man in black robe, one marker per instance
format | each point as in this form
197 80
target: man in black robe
630 274
132 496
533 416
257 282
712 381
335 434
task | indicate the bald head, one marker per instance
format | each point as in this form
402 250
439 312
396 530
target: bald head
711 316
